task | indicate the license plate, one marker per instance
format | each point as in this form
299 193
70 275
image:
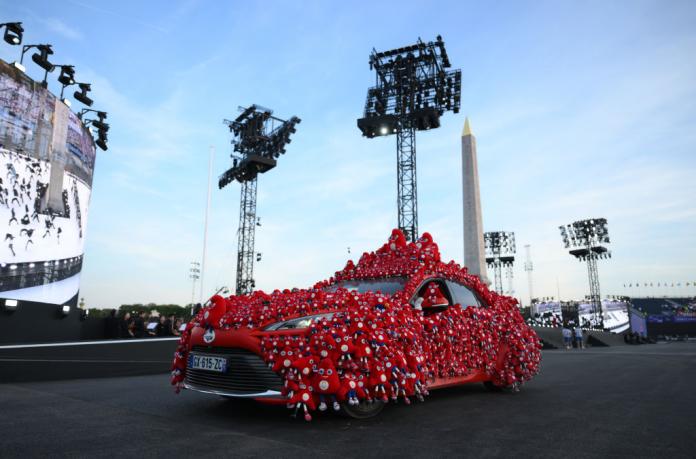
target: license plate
207 362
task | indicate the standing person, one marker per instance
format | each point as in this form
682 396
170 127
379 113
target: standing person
125 326
168 324
567 334
578 338
177 325
112 326
139 326
161 329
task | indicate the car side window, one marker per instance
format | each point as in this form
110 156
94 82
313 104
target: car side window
419 297
463 295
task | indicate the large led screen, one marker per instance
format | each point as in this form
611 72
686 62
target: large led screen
614 313
46 164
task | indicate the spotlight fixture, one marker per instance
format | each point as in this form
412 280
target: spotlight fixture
65 310
13 32
41 58
101 140
67 74
81 95
99 124
11 305
66 77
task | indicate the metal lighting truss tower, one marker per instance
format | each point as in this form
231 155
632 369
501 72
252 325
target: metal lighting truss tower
412 91
500 252
259 138
588 235
529 268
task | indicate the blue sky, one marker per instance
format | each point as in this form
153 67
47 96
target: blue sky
581 109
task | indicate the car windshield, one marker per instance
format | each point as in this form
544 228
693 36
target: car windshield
388 285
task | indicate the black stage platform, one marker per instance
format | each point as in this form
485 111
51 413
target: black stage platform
629 401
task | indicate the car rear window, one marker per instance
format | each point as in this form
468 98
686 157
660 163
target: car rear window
387 286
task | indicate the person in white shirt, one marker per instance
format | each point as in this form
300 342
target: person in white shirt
578 338
567 335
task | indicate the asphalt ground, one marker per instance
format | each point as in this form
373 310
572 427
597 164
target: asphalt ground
628 401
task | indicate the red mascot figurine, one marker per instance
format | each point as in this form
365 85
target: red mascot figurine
303 398
213 313
326 383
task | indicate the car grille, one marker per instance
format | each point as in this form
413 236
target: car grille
246 373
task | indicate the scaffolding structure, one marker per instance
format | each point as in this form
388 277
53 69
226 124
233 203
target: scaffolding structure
412 91
259 138
500 253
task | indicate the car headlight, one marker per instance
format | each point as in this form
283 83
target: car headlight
298 323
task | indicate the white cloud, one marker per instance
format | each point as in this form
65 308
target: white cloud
61 28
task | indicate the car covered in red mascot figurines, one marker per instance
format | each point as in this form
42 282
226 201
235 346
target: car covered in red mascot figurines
392 327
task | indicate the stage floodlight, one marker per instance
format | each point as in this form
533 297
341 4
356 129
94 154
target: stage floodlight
11 305
101 140
41 58
13 32
100 124
81 95
67 75
65 310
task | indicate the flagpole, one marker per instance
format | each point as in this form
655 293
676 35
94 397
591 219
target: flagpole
207 211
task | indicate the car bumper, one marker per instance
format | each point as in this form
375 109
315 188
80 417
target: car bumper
268 394
247 375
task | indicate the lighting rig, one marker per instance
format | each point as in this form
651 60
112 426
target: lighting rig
40 58
259 138
81 95
413 89
66 77
588 236
99 124
500 252
13 32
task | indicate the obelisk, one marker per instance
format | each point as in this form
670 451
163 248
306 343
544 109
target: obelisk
474 255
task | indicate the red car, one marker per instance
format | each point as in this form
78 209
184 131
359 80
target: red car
392 327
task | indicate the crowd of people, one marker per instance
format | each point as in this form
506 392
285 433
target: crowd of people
141 325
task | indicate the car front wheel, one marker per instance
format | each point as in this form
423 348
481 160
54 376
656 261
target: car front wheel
512 388
362 410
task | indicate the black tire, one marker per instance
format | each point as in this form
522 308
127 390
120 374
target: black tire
513 388
363 410
492 387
